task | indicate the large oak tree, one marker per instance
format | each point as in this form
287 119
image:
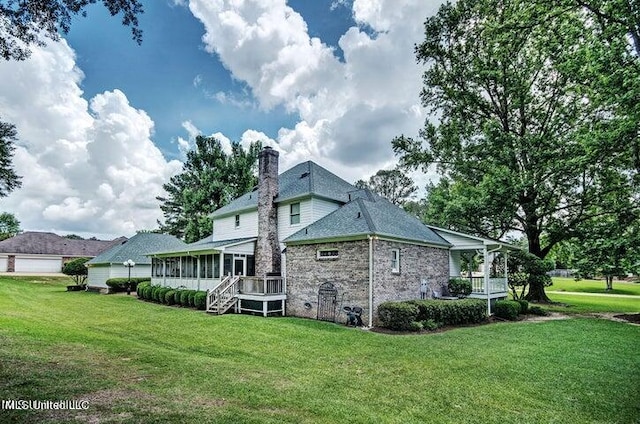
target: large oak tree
533 131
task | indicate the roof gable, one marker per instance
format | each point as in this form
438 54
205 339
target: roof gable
137 247
304 179
368 214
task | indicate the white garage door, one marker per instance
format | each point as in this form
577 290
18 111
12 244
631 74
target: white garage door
3 264
38 264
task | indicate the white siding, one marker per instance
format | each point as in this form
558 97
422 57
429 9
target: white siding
311 210
244 248
98 275
225 228
38 264
3 264
322 208
460 240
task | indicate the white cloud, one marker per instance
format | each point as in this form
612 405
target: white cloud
349 111
87 167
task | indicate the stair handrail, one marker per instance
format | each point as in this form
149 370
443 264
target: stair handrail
213 293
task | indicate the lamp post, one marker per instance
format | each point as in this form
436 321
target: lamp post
129 264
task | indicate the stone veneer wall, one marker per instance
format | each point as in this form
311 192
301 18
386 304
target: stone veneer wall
350 275
416 263
267 246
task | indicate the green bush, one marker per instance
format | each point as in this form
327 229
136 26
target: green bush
200 300
140 289
77 270
451 312
507 309
161 294
524 306
184 298
537 310
169 297
430 325
120 284
398 315
460 287
415 326
192 298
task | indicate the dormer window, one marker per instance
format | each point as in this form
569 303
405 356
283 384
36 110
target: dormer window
237 221
294 213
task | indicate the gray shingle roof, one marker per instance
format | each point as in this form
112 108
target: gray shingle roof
368 214
137 247
304 179
42 243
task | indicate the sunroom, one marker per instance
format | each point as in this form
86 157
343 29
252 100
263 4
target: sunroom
226 270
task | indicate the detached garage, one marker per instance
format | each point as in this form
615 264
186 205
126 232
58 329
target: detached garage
43 253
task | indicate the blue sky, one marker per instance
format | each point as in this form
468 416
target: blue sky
103 123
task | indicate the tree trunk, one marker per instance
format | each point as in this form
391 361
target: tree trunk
609 279
536 289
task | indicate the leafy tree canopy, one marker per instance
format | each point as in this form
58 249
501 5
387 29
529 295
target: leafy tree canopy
22 22
536 134
9 180
392 184
210 179
77 270
9 225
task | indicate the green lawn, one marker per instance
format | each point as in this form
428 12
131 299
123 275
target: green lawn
141 362
594 286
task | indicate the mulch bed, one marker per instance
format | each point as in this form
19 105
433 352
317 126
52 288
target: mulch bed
634 318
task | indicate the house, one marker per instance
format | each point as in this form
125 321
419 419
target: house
110 263
307 243
42 252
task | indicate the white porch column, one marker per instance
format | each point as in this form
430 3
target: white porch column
198 271
221 267
454 263
506 272
486 267
164 271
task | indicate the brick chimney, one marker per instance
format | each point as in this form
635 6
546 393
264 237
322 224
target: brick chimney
267 246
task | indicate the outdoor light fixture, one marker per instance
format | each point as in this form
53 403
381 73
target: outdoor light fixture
129 264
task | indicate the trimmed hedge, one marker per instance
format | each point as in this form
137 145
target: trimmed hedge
451 312
399 316
460 287
524 306
120 284
200 300
171 296
507 309
537 310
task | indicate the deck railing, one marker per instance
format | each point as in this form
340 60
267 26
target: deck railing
262 286
496 284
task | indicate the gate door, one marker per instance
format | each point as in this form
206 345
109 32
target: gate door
327 295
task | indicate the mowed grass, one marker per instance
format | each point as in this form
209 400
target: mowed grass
594 286
140 362
591 296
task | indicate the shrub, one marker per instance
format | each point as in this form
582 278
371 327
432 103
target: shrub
184 297
430 325
397 315
120 284
200 300
140 289
192 297
524 306
537 310
507 309
415 326
169 297
451 312
161 294
460 287
77 270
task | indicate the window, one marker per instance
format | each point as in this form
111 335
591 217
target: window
327 254
295 213
395 260
237 221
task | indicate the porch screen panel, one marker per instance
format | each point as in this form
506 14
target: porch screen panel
228 264
251 265
216 266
